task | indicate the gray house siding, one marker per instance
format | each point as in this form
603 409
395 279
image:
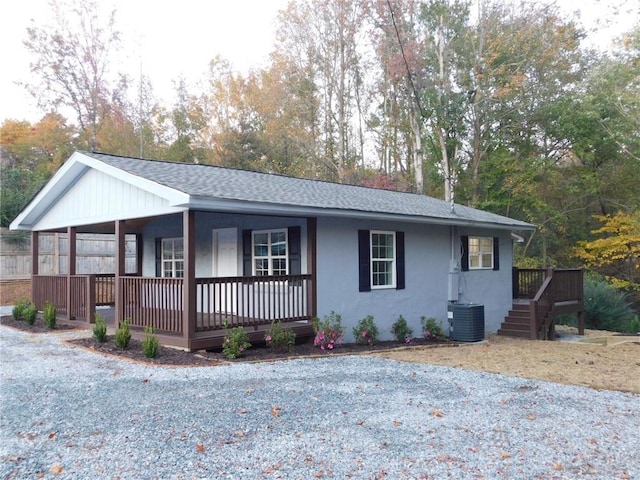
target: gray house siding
171 226
492 288
425 292
427 260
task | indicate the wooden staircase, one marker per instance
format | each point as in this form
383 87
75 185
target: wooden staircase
518 322
539 296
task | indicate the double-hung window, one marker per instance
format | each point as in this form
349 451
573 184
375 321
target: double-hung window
383 259
172 257
380 260
270 252
480 253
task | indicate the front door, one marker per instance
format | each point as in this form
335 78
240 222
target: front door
225 264
225 252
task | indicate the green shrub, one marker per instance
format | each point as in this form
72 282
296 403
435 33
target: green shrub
30 313
235 343
123 335
100 328
19 308
49 314
431 328
329 331
634 325
605 306
150 343
366 332
279 338
401 330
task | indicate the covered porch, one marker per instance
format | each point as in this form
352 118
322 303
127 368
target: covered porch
189 311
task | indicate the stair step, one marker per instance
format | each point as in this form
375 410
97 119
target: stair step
516 321
519 313
515 326
513 333
521 307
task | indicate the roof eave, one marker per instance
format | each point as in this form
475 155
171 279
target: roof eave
258 208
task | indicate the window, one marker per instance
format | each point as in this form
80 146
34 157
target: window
480 253
270 256
172 258
381 260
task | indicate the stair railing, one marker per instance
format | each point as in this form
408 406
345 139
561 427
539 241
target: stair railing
541 307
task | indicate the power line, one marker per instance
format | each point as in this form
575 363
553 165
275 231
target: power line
406 63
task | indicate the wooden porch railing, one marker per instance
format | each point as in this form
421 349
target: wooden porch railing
85 293
230 301
251 301
159 302
555 291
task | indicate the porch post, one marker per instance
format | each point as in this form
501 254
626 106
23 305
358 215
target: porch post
312 262
581 299
120 254
71 268
189 280
35 263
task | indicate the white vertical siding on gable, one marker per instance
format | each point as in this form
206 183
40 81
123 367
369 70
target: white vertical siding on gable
97 197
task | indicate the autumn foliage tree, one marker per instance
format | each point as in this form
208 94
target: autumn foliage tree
616 250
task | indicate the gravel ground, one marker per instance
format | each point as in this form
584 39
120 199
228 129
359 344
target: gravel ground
68 413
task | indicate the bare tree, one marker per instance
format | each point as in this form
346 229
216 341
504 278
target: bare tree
71 63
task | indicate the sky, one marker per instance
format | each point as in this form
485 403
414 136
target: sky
166 39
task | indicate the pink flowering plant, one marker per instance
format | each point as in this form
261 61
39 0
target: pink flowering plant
431 329
402 331
329 331
235 343
366 332
279 338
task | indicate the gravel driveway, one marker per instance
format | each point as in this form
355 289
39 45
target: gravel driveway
67 413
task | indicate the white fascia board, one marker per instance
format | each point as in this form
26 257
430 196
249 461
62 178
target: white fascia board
54 188
69 173
245 207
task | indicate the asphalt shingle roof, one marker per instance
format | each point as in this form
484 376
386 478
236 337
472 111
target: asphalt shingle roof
217 183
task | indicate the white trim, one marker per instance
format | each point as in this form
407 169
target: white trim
394 280
481 254
173 259
70 172
269 256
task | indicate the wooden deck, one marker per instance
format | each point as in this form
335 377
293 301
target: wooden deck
540 295
220 303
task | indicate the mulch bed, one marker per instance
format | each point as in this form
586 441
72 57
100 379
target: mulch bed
37 327
257 353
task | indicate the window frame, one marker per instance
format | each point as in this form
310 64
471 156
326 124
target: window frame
392 262
173 260
269 257
481 254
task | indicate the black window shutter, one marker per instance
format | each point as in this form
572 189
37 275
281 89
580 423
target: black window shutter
496 253
364 263
464 261
158 257
247 260
295 261
400 260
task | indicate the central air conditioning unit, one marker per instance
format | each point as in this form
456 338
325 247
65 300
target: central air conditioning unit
466 322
